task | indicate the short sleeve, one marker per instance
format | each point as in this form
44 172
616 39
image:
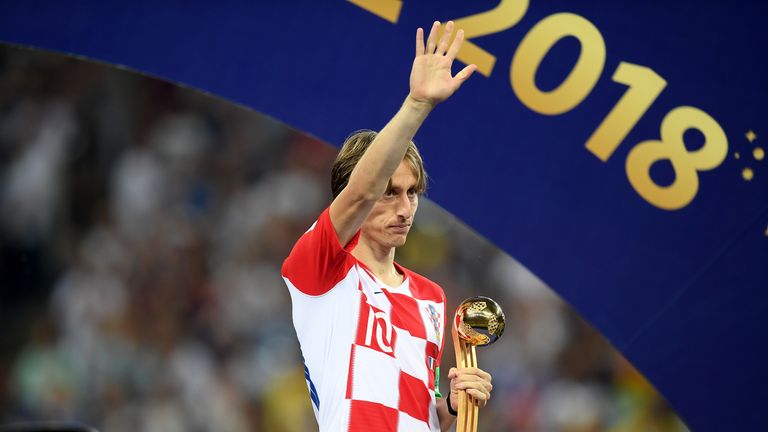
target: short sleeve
318 260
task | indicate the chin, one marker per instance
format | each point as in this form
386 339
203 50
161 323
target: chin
399 242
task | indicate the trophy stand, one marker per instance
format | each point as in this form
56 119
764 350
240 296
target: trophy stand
479 321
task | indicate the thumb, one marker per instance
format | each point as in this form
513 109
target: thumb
452 373
465 73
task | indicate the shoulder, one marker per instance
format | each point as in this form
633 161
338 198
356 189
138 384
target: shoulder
321 237
318 261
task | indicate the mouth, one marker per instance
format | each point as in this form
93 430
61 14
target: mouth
400 228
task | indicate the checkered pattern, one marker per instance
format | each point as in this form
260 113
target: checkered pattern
371 350
394 356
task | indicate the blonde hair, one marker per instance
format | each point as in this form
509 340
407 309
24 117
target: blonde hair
353 149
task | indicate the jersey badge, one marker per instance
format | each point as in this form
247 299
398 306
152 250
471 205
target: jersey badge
434 316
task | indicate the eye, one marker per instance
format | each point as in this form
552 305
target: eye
412 193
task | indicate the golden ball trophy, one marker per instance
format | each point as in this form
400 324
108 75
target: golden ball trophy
479 321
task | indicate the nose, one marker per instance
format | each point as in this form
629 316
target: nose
404 207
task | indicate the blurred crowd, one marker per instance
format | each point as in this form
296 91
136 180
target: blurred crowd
142 229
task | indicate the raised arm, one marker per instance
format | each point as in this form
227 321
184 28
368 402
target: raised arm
431 82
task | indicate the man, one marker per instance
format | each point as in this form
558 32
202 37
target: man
371 331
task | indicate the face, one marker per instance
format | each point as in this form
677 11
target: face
391 217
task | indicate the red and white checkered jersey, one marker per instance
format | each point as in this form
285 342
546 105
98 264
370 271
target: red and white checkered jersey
370 350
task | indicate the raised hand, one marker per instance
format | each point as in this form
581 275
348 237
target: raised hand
431 79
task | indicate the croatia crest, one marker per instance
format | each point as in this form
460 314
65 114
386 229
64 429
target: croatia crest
434 316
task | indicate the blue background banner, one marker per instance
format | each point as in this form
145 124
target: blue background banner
632 181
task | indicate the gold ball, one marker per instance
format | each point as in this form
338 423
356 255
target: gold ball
479 321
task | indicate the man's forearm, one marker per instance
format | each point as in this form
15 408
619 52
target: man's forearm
445 418
430 83
387 150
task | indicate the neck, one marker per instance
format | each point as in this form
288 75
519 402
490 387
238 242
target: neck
380 260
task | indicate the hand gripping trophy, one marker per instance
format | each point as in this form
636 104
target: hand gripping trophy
479 321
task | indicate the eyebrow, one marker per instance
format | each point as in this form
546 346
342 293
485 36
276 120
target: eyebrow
397 188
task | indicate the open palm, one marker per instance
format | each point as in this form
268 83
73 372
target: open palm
431 79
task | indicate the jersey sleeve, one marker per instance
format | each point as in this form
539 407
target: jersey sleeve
318 260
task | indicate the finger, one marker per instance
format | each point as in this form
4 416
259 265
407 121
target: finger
478 395
479 403
479 385
469 378
483 386
473 370
444 39
432 38
464 75
419 41
455 45
478 389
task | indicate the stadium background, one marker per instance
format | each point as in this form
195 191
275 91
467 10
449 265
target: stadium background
142 226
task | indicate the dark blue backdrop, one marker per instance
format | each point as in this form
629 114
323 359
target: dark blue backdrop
681 292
